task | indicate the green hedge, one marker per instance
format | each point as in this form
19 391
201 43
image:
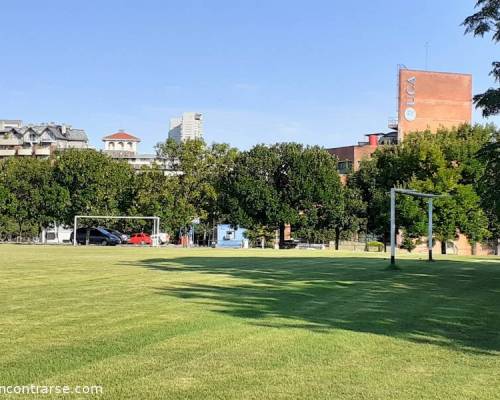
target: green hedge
378 246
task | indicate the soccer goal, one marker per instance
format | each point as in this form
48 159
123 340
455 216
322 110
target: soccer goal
155 233
408 192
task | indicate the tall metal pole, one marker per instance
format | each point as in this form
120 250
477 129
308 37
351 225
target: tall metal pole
156 238
154 233
158 231
393 226
429 234
74 231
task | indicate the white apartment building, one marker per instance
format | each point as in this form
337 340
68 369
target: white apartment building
187 127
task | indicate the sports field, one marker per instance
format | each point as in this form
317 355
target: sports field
248 324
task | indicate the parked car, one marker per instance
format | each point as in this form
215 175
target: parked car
140 238
163 238
123 238
290 244
96 236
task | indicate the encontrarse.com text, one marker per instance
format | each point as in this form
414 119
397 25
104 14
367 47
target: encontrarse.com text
57 389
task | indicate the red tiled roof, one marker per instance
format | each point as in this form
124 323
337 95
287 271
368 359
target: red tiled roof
121 136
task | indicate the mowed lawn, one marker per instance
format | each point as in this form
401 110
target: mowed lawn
248 324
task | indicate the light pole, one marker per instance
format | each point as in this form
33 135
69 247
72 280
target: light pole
393 226
429 230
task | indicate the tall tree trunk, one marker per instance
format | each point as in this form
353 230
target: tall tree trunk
337 238
443 246
282 236
473 246
20 238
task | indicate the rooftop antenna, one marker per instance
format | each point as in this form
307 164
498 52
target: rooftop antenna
427 56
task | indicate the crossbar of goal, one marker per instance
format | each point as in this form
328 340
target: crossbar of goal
155 230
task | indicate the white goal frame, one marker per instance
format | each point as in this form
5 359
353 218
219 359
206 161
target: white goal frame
409 192
155 232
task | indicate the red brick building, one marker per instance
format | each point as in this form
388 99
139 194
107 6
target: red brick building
349 157
426 100
432 100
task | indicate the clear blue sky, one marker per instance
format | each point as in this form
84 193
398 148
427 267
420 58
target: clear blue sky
318 72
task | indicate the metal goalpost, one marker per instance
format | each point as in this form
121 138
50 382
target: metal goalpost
155 232
408 192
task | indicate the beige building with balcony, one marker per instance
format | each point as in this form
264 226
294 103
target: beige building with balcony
17 139
124 146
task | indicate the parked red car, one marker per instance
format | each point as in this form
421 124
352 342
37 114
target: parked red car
140 238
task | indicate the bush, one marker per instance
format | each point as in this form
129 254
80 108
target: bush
409 243
374 246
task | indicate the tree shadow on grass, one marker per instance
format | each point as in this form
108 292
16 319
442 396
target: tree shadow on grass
449 303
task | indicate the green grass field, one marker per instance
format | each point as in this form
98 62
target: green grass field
248 324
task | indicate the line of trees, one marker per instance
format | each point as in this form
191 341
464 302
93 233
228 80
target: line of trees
266 188
462 163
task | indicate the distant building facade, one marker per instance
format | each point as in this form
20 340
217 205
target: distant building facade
432 100
39 140
350 157
124 146
187 127
426 101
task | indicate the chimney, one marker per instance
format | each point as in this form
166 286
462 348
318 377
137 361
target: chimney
373 139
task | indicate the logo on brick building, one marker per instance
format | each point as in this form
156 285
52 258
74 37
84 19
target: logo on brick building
410 113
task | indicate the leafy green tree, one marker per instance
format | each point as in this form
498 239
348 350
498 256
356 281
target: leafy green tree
408 242
443 163
412 219
97 184
32 198
7 225
486 20
366 181
261 236
348 217
339 217
251 196
221 161
472 220
271 186
154 193
198 171
489 187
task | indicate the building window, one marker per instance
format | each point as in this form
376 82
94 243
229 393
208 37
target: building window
345 167
112 145
122 146
129 145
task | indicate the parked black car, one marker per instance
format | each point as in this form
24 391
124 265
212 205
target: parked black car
289 244
123 238
96 236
